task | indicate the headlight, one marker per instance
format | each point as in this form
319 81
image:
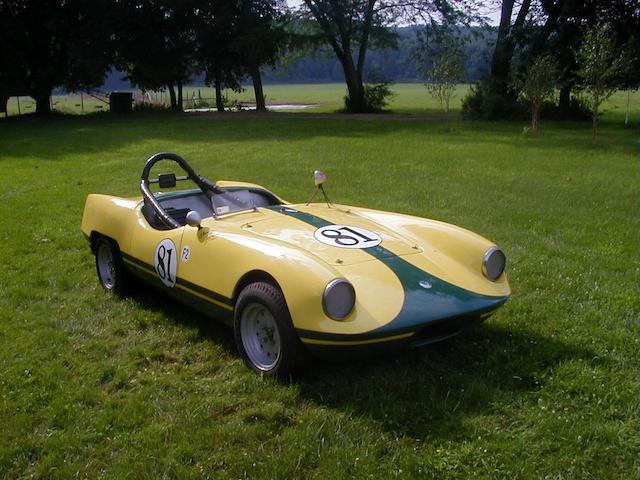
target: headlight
493 263
338 299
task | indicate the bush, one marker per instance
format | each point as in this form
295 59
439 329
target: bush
481 104
376 97
146 107
578 109
472 103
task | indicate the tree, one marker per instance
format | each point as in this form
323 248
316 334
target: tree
261 35
601 66
156 44
561 29
53 43
350 27
444 74
537 85
508 31
11 66
217 28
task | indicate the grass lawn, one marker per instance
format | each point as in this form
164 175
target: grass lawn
409 98
93 386
326 97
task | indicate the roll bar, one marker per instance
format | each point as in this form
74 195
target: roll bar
205 185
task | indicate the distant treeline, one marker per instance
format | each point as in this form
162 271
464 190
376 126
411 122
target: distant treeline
397 65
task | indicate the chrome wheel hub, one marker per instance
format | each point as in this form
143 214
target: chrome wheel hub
260 336
106 266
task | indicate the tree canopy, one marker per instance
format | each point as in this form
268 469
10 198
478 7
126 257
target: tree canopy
46 44
351 27
557 28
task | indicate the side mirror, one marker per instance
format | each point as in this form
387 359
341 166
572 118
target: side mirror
194 219
319 177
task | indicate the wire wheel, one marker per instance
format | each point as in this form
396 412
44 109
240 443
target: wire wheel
260 336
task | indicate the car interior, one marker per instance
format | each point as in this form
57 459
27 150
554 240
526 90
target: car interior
178 205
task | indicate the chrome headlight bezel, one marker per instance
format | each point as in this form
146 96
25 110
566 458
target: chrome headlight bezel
494 263
335 307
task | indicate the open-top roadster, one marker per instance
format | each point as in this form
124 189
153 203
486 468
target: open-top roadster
319 277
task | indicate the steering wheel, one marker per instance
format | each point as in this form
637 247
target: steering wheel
205 185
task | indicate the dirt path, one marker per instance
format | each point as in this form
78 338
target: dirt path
317 116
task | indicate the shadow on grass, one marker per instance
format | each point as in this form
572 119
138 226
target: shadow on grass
208 328
61 136
436 391
432 391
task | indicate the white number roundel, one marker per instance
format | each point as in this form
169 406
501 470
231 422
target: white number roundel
346 236
165 262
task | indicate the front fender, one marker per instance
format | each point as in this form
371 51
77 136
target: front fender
110 216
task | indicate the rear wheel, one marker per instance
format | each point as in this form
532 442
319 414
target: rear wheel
110 267
264 334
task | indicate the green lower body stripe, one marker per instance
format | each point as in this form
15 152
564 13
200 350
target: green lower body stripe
187 291
420 306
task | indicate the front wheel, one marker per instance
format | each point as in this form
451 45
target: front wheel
110 267
264 334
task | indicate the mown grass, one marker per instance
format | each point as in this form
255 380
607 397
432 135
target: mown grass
408 98
325 97
99 387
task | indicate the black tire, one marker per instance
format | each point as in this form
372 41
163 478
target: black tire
112 274
273 346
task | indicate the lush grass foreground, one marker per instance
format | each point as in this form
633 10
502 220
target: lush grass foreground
95 386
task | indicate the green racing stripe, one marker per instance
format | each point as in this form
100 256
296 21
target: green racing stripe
421 305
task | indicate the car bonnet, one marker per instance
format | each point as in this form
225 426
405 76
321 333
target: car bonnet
337 235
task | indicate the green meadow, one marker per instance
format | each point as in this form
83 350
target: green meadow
95 386
408 98
322 97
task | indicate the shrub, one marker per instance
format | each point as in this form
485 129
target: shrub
472 103
481 104
577 110
145 107
376 97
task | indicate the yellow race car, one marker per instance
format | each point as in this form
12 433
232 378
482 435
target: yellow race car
292 278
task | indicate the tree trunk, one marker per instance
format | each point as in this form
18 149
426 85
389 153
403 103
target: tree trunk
218 83
595 108
505 46
356 102
43 102
338 32
257 89
179 105
535 119
172 97
565 98
501 60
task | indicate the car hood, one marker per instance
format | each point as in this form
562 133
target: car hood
337 235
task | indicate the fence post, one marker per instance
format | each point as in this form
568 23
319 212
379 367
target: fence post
82 102
18 98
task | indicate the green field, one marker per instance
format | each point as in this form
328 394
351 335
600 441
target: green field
409 98
328 97
93 386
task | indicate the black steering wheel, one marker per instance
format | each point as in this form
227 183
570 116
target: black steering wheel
207 187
